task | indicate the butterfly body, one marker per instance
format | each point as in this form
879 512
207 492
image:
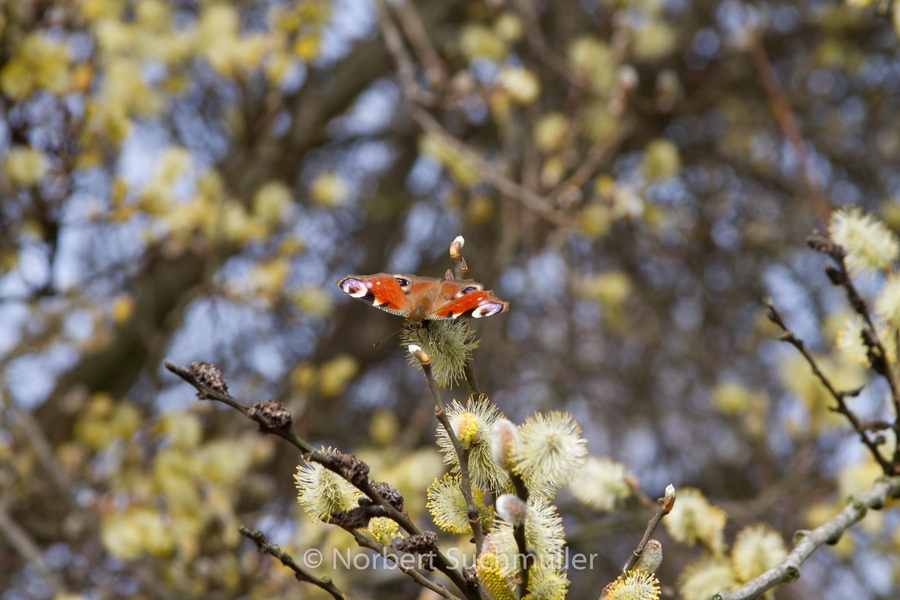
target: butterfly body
423 298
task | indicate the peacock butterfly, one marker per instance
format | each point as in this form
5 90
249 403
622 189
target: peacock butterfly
423 298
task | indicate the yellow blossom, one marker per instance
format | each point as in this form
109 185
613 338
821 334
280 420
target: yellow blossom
521 84
868 242
477 41
756 550
335 374
328 189
26 166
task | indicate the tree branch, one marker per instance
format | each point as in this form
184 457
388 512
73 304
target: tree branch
462 454
416 97
788 125
664 507
387 552
21 541
264 546
789 337
788 570
877 354
274 419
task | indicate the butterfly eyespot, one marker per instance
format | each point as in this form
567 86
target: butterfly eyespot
354 287
468 290
488 309
403 282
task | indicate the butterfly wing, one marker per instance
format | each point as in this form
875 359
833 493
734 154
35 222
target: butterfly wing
423 298
465 298
380 290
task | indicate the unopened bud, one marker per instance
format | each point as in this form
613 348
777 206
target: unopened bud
651 557
504 436
511 509
420 354
668 501
456 246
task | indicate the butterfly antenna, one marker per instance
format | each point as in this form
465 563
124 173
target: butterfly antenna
389 336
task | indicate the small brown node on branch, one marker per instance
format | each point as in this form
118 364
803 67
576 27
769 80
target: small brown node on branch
347 466
390 494
424 544
209 375
835 275
359 517
270 415
420 543
820 243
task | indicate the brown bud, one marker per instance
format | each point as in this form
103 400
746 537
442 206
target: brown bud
270 414
420 543
209 375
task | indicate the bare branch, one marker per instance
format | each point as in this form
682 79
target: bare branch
877 354
839 396
529 199
387 552
664 507
788 570
435 72
43 450
345 465
27 548
264 546
788 125
596 155
462 454
417 97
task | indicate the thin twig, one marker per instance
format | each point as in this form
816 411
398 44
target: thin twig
529 199
877 353
638 492
524 558
789 337
406 70
19 539
43 450
596 155
462 455
387 552
789 569
471 379
435 73
337 465
416 97
664 507
788 124
264 546
539 47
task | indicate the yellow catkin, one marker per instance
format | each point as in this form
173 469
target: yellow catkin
491 577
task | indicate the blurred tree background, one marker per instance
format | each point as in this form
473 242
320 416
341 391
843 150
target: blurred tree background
188 179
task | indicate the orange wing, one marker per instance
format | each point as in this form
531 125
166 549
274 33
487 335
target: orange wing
466 298
380 290
423 298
